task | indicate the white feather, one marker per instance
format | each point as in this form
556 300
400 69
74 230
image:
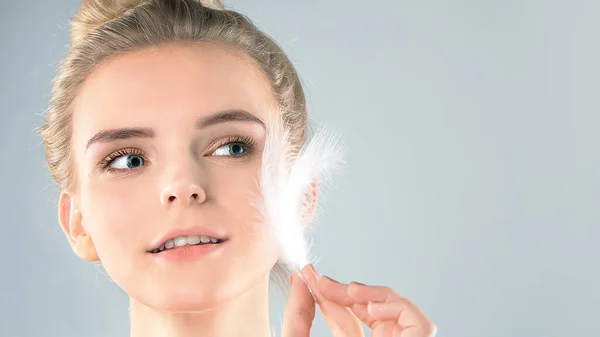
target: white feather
286 176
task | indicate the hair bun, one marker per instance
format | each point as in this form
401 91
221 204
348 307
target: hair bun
214 4
93 13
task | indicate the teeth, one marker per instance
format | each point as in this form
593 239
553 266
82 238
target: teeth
186 240
180 241
193 240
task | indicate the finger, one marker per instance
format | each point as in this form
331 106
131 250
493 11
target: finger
408 318
335 291
340 319
402 312
360 311
390 307
300 311
364 294
386 311
411 331
385 329
339 293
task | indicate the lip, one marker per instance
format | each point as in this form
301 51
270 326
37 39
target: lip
191 231
190 253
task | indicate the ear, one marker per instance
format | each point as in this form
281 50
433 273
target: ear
71 222
310 205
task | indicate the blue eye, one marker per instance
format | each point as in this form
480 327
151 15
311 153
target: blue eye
129 161
233 149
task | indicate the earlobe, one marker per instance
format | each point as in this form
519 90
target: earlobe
71 222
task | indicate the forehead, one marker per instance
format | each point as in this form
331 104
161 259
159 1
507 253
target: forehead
170 83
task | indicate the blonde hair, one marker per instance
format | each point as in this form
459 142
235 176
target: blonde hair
105 28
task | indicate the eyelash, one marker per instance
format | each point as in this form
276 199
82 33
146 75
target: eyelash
105 163
247 142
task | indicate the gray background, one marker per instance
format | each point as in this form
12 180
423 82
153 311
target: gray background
472 187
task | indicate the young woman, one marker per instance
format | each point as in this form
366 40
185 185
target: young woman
154 133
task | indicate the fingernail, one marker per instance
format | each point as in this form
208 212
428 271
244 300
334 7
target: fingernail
311 278
310 273
305 275
302 277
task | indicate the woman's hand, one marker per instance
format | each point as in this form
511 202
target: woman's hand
344 306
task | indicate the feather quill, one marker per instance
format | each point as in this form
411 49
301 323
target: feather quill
286 176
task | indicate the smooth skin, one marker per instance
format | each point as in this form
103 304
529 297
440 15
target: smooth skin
345 306
181 176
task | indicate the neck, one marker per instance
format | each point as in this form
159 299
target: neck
246 315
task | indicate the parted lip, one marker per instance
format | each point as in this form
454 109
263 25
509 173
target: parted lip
190 231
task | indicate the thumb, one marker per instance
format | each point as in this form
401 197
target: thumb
300 311
341 321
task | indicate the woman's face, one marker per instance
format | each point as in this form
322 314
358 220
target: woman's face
150 160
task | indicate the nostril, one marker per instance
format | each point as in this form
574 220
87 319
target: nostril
171 198
195 195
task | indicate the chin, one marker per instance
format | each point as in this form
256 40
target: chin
198 286
188 294
181 298
186 304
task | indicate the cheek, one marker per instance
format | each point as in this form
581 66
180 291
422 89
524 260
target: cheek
238 194
114 214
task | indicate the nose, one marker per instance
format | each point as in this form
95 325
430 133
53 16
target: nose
186 194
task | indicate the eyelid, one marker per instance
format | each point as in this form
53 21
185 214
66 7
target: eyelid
105 163
248 142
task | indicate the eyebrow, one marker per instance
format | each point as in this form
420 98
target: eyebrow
106 136
234 115
229 116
